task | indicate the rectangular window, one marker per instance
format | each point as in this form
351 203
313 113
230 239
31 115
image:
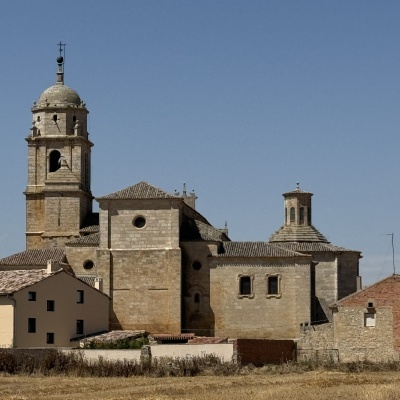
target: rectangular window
50 305
245 285
50 338
80 296
31 296
79 326
369 319
31 325
273 285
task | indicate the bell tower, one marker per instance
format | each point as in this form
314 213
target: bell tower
58 195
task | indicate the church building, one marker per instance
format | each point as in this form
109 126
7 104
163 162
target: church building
165 268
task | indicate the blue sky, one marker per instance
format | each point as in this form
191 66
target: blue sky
239 99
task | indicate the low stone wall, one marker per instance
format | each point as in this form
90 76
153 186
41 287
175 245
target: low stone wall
317 343
222 350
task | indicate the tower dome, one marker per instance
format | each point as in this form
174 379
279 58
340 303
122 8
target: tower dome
59 94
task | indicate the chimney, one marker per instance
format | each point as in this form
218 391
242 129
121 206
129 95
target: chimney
52 266
98 284
358 283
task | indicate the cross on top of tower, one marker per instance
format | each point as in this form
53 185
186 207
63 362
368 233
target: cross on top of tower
60 62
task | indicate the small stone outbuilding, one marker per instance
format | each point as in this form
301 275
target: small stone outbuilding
366 324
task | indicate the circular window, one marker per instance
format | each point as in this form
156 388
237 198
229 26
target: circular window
139 222
88 264
196 265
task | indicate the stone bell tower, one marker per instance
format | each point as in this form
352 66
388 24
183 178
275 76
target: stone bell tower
58 195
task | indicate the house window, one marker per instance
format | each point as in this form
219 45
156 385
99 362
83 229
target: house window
369 319
302 215
245 288
50 305
79 326
273 285
245 285
50 338
31 296
80 296
31 325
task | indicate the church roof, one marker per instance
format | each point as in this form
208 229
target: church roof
255 249
36 257
141 190
90 229
193 230
296 191
298 233
12 281
92 240
304 247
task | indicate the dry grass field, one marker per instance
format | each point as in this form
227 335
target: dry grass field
315 385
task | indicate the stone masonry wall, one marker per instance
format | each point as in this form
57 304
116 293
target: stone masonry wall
260 316
145 289
357 342
117 224
382 294
316 343
197 314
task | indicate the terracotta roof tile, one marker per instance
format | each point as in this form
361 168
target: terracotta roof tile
302 247
114 336
255 249
92 240
168 336
37 257
297 191
298 233
395 278
193 230
12 281
208 340
141 190
90 229
88 279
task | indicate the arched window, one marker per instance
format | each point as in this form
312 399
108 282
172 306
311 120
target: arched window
286 221
54 161
302 215
197 297
292 214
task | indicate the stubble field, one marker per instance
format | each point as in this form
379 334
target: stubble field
315 385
